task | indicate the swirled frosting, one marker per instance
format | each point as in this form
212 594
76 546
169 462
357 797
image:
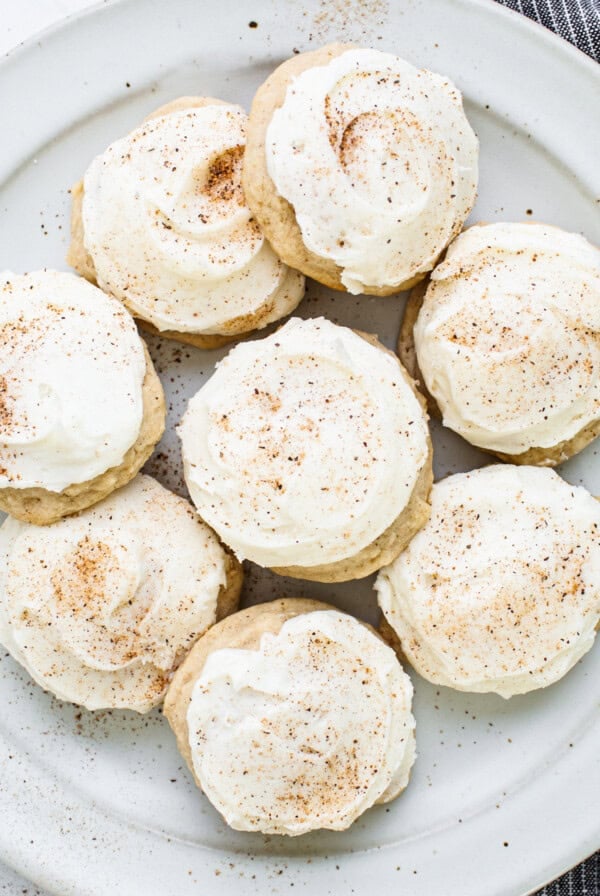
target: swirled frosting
379 162
305 446
500 591
170 234
508 337
71 372
100 607
306 732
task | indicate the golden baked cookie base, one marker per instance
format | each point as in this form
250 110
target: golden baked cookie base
275 215
228 599
77 256
539 457
390 636
42 507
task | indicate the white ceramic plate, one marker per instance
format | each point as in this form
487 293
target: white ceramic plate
504 795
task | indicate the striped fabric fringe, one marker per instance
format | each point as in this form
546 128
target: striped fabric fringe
581 881
578 21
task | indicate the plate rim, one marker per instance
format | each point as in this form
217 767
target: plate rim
49 877
493 7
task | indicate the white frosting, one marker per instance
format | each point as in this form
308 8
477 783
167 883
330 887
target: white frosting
305 446
379 162
500 591
71 372
508 338
169 232
307 732
100 607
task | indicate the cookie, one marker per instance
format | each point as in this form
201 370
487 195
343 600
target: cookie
505 339
359 167
309 453
160 222
100 608
500 591
81 408
293 716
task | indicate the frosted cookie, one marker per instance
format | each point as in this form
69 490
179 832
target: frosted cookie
81 407
292 717
160 222
308 452
506 339
360 168
101 607
500 591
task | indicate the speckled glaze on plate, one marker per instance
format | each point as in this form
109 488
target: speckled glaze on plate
504 794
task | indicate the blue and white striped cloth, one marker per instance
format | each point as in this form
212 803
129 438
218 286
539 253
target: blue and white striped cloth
581 881
578 21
